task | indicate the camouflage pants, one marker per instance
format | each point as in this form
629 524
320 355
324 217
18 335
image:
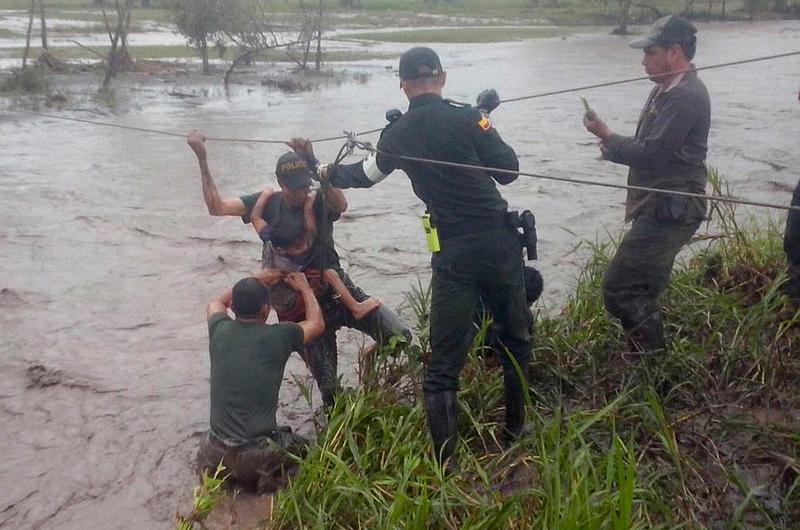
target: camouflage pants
639 271
264 464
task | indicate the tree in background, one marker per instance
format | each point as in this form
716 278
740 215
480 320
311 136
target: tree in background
252 29
118 57
28 35
201 21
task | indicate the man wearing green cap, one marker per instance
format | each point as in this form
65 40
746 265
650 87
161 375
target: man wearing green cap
668 151
477 253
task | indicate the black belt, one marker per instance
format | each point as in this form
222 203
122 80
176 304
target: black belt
236 445
471 226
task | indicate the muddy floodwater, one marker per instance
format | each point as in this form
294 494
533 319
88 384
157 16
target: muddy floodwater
108 256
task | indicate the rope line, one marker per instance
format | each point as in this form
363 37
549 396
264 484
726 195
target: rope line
646 77
179 135
458 165
352 142
371 131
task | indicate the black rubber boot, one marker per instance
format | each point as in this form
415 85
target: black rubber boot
441 409
514 390
648 337
792 286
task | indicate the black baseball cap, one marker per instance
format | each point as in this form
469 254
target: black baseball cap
292 171
667 31
419 62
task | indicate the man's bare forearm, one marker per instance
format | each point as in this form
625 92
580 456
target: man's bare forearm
257 215
210 192
314 323
335 198
221 303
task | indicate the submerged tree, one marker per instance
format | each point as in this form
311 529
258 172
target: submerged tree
202 21
118 56
253 31
28 35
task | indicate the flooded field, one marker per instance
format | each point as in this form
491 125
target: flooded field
108 255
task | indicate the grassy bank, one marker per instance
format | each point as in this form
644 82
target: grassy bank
707 436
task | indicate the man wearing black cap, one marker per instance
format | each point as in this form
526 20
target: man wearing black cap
477 253
667 152
283 213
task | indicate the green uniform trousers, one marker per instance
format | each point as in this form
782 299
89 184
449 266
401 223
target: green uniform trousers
487 264
263 464
640 270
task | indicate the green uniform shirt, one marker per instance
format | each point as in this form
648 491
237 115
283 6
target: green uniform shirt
668 150
247 365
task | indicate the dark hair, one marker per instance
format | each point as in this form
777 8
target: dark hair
689 45
248 298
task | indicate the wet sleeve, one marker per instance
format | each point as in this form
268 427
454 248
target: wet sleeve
672 124
214 320
249 202
492 150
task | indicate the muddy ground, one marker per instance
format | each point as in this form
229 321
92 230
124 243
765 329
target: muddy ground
109 256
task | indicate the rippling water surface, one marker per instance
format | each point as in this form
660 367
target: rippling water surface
109 257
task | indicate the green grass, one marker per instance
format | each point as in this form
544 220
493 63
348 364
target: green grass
462 35
704 437
206 496
8 34
58 4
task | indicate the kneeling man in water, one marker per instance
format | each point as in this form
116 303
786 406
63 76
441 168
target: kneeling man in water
248 358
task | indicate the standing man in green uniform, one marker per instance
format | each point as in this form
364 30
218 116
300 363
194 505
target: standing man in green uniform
480 250
667 152
248 358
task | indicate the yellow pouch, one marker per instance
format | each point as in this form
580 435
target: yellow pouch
431 234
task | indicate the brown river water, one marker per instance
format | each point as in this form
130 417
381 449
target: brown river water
108 255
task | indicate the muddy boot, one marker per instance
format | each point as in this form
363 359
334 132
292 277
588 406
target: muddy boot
441 409
791 287
648 337
514 391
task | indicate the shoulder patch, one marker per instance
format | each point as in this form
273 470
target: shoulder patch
485 123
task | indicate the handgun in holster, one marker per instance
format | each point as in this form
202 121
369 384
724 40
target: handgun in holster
529 238
527 222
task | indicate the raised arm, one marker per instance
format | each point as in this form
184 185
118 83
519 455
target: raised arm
220 304
313 325
491 149
214 202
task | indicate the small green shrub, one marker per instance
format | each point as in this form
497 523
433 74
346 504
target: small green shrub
28 81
